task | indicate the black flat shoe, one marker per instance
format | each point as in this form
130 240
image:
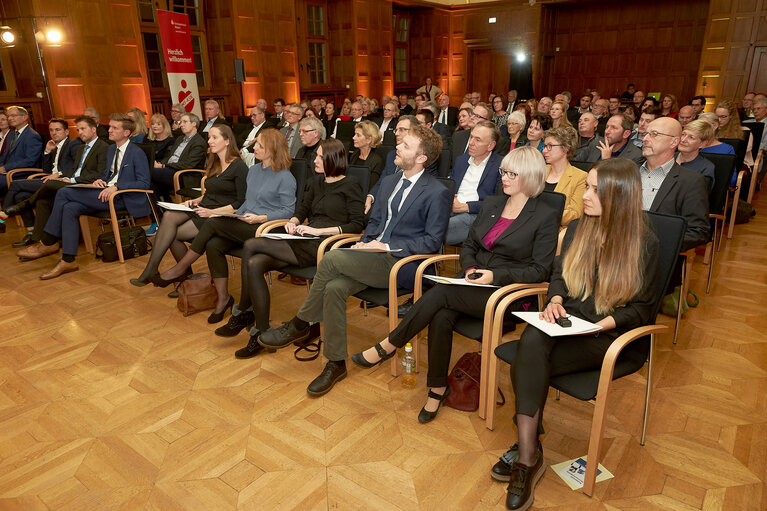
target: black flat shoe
426 416
501 471
218 316
235 324
332 374
25 242
139 282
161 282
521 490
252 349
359 359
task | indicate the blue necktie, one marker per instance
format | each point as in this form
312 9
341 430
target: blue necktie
395 205
82 160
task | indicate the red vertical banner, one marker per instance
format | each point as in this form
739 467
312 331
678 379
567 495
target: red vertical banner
179 60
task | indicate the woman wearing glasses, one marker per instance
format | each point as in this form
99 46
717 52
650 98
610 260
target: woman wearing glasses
513 240
559 145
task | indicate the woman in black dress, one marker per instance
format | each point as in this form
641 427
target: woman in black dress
608 275
367 137
161 137
225 188
332 202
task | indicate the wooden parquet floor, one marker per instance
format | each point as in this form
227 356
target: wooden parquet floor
111 399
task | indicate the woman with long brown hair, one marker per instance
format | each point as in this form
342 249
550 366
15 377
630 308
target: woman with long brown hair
669 106
224 193
607 274
270 195
730 127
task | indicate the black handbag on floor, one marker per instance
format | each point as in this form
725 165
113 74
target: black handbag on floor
132 239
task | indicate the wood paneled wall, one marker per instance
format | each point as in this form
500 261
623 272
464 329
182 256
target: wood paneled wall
373 47
735 30
605 45
100 63
430 54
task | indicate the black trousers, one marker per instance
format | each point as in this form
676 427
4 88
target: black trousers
217 237
540 358
440 308
19 191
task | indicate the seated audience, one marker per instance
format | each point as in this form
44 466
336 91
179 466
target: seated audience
103 129
649 102
331 204
669 188
538 124
694 136
312 132
410 216
246 139
730 127
293 114
464 119
176 111
639 97
588 148
668 106
24 148
160 136
5 129
499 112
459 143
628 95
448 115
141 131
648 115
745 111
613 105
685 115
476 98
404 106
558 148
403 128
558 115
213 116
443 129
601 111
698 104
544 105
330 117
511 100
515 127
607 273
389 119
126 167
225 186
584 104
366 139
476 176
500 254
616 143
270 195
58 157
759 109
716 146
188 152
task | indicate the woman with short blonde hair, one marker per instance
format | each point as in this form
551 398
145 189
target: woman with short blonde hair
559 145
366 138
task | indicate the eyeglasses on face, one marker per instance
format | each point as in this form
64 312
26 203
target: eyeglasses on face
548 147
478 116
656 134
304 132
508 173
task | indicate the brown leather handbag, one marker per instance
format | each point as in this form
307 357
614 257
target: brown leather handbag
196 293
463 381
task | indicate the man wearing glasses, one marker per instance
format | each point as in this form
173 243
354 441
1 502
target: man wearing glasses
246 140
24 147
292 114
669 188
460 140
176 111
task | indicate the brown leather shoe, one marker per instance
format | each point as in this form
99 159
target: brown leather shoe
61 268
37 251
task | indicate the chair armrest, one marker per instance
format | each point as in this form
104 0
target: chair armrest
120 192
500 311
270 225
738 184
37 175
9 175
755 175
716 217
418 288
177 177
348 240
332 239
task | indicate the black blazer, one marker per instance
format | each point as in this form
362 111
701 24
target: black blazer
452 116
458 143
503 145
192 157
374 162
204 122
94 164
66 159
684 193
391 127
524 252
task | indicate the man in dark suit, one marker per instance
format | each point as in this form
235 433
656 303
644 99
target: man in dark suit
404 107
188 152
126 167
447 115
412 220
293 113
25 145
511 100
460 139
103 130
389 120
616 143
445 131
59 154
476 177
670 188
213 116
246 139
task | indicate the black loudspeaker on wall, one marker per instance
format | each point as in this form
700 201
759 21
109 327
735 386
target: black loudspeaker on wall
239 70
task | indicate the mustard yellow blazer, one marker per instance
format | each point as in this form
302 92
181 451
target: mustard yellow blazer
571 185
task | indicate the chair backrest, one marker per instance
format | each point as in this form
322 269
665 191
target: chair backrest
384 149
345 130
723 165
298 169
444 163
583 165
449 183
554 200
149 151
740 150
757 130
670 232
362 174
389 138
243 119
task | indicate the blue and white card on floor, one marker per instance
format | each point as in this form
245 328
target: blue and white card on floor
573 472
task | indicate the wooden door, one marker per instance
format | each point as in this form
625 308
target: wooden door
758 79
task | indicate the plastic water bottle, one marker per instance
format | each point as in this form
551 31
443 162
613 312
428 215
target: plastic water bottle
408 368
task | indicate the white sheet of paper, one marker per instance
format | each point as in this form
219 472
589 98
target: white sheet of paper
455 281
579 326
173 206
372 250
286 236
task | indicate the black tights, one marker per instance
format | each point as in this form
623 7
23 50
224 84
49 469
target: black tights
175 228
259 256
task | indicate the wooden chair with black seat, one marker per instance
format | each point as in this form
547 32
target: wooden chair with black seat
717 206
113 216
22 173
585 166
756 175
186 184
595 385
478 329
